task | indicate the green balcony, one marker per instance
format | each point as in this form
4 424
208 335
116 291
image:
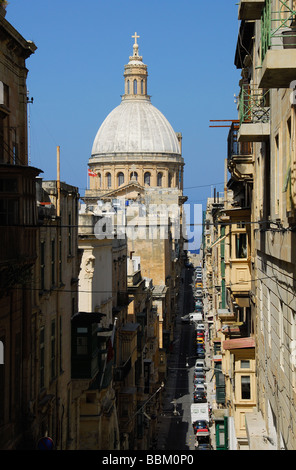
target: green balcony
254 115
278 45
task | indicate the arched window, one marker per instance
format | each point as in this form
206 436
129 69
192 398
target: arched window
134 175
135 87
159 179
147 177
120 178
108 179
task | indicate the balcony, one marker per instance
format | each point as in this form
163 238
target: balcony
240 278
254 115
18 219
240 156
278 46
250 9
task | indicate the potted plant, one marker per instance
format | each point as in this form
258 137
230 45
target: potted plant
289 36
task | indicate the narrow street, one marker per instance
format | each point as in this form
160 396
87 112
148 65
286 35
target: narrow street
175 429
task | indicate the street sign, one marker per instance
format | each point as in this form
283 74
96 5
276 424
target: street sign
45 443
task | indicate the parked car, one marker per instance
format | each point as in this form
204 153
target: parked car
201 386
200 334
199 397
199 364
200 355
199 377
198 380
204 446
200 339
200 426
198 293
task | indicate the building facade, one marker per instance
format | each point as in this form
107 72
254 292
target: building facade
255 334
18 220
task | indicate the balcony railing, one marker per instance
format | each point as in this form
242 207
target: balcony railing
254 115
276 31
253 106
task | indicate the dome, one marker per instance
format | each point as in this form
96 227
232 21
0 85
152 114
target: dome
135 126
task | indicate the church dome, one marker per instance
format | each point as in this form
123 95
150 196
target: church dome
135 126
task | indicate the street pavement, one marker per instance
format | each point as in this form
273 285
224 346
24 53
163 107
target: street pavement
174 425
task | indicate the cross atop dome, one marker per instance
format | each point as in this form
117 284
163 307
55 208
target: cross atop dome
136 47
136 37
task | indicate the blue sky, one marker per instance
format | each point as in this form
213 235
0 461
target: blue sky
76 77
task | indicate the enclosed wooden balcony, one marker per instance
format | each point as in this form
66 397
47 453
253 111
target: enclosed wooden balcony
18 214
250 9
239 274
240 156
278 45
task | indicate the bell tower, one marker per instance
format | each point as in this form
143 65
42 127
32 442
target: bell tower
135 75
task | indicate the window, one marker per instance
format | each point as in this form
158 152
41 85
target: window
134 176
60 355
70 234
269 317
81 343
147 177
99 180
53 349
53 262
9 209
128 87
142 87
159 179
42 357
170 180
42 265
15 157
60 261
135 87
4 94
2 382
245 364
108 178
8 185
241 245
281 335
277 175
246 387
120 178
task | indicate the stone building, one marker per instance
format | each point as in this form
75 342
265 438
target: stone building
18 220
267 121
257 327
54 405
